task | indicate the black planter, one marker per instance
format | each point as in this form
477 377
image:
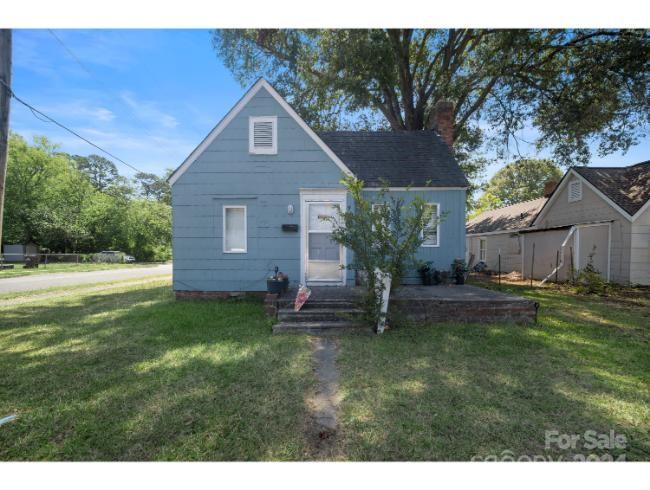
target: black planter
436 279
460 279
274 286
425 276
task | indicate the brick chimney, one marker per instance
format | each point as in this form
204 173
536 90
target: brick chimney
549 187
443 121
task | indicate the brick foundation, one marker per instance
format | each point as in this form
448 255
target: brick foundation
432 311
218 294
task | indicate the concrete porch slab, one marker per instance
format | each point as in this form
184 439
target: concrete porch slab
421 304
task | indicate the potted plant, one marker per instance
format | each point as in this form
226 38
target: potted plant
425 273
278 283
458 270
437 278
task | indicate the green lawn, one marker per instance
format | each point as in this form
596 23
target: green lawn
131 374
454 392
49 268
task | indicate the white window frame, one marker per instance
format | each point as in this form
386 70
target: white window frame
437 244
251 135
571 184
484 250
235 251
375 206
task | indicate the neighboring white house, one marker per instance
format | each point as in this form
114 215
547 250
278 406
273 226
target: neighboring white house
597 215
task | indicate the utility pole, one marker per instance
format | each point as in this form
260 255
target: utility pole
5 97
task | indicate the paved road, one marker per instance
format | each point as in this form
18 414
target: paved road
56 279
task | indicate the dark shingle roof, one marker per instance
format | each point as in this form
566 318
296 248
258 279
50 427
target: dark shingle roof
629 187
398 158
514 217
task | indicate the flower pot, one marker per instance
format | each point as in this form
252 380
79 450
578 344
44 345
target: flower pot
274 286
460 279
436 279
425 276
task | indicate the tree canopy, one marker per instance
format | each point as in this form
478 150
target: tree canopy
519 181
101 171
572 87
80 204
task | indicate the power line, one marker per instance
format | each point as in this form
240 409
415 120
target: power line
38 113
107 90
69 51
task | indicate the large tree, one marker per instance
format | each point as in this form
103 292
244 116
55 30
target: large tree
155 187
518 181
100 170
52 202
573 87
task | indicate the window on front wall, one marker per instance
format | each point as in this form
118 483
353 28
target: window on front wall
234 229
378 208
263 135
431 231
482 250
575 191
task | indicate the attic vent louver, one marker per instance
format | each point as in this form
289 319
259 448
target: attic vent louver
262 138
575 191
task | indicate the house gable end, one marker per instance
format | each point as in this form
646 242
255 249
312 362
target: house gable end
559 197
260 90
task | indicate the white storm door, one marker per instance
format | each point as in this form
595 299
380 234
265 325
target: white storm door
323 257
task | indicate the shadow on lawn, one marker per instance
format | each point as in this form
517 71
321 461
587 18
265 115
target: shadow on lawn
135 375
452 392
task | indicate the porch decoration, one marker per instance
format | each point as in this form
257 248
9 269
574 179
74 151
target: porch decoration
301 298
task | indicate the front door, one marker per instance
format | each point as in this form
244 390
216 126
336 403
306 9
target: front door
323 259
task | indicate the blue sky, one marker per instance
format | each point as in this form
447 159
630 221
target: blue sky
147 96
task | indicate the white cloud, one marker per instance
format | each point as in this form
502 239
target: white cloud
148 111
81 109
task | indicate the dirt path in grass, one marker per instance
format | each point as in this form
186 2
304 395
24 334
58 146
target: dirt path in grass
70 292
323 403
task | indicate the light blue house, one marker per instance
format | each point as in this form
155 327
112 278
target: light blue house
251 197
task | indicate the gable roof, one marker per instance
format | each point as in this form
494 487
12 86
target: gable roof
257 86
508 218
628 187
397 158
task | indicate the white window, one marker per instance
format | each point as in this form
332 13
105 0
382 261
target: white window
234 229
482 250
377 208
431 232
263 135
575 190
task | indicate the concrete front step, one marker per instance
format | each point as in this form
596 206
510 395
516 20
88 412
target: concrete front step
334 304
319 315
320 327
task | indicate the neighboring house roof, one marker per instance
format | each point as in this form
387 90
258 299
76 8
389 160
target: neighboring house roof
507 218
396 158
628 187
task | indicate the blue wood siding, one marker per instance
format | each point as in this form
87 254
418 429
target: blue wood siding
226 174
451 238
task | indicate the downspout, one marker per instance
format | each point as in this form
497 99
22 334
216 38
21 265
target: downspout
561 264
